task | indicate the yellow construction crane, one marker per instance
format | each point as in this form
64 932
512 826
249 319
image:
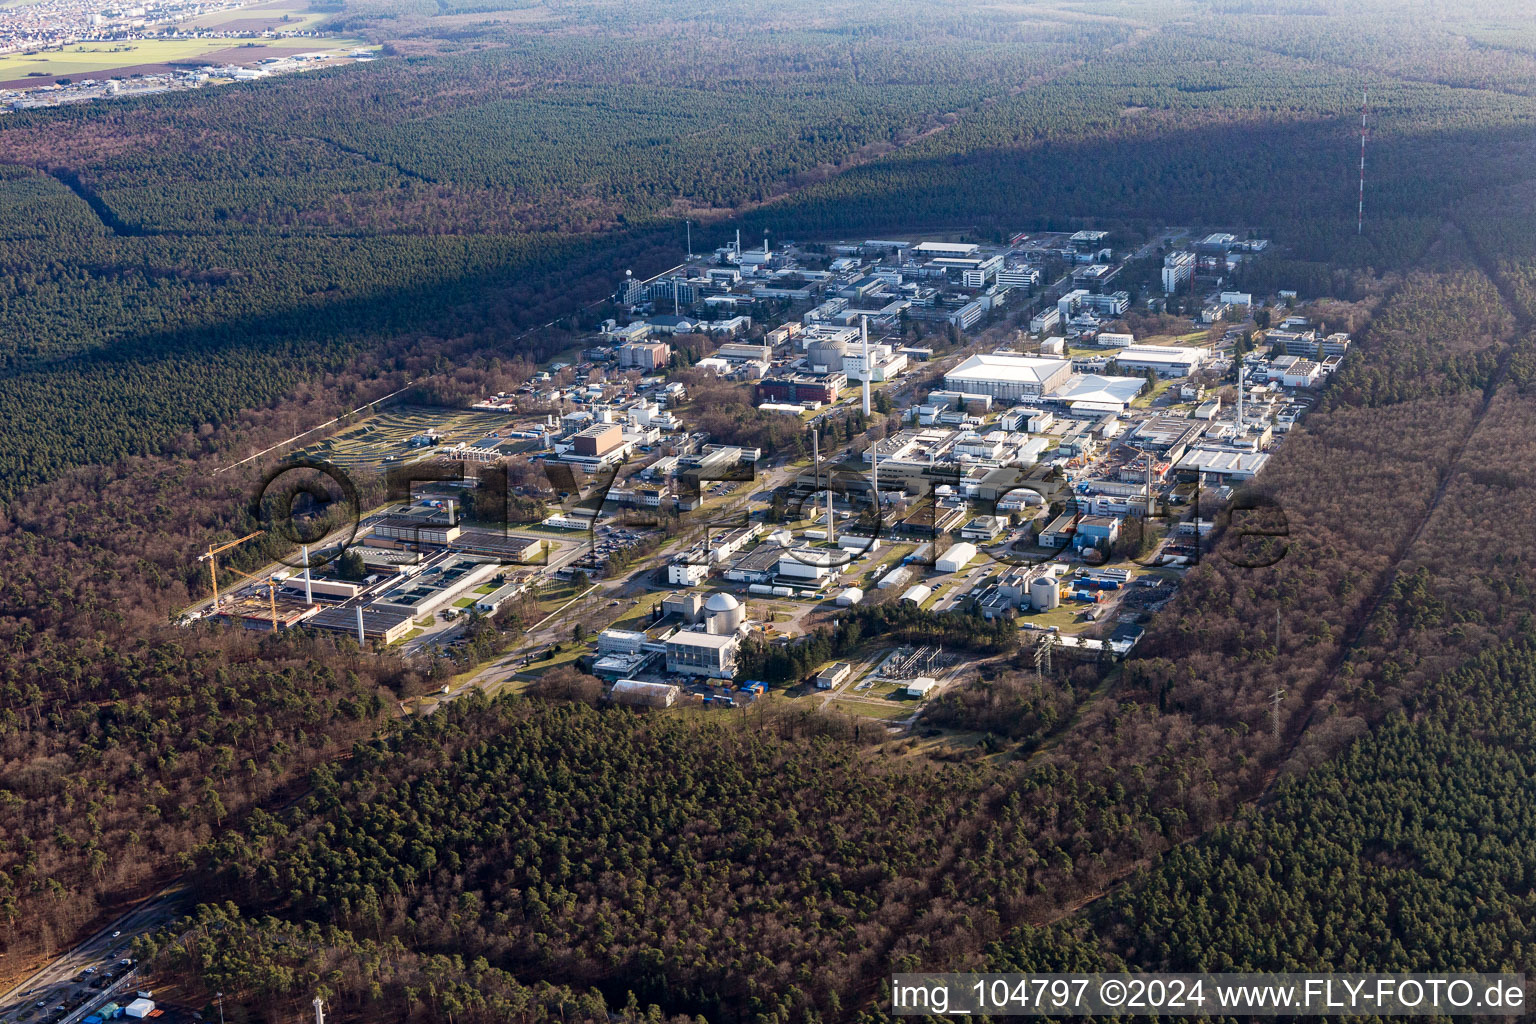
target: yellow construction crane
271 582
213 572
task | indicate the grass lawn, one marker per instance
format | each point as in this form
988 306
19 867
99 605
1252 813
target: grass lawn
548 531
1064 617
464 602
637 615
568 653
553 597
489 588
413 634
884 710
1146 398
89 58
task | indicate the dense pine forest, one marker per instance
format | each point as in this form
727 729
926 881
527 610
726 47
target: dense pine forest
185 279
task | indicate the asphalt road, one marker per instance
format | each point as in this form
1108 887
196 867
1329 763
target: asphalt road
64 981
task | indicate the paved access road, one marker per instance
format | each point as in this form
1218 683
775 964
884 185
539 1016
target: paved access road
63 982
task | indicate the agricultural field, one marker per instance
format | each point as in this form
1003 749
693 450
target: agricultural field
283 15
97 57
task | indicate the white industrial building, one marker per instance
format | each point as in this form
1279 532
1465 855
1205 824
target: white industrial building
884 364
1228 466
921 687
621 641
687 571
806 564
1165 361
712 655
644 694
1008 376
956 558
1093 392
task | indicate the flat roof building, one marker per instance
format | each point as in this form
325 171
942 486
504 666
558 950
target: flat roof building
712 655
415 530
384 624
833 674
598 440
1007 376
945 249
639 693
438 585
1165 361
645 355
802 387
1099 390
1229 466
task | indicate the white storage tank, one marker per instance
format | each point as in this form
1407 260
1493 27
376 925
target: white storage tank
1044 593
850 597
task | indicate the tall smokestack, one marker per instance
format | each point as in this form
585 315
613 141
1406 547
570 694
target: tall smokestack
1150 509
309 598
874 455
864 331
359 625
1240 389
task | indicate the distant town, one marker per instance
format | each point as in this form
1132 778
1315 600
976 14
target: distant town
977 428
67 51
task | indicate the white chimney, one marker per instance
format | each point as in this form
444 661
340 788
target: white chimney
1240 388
864 332
309 598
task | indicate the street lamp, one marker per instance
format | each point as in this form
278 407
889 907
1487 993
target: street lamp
220 997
